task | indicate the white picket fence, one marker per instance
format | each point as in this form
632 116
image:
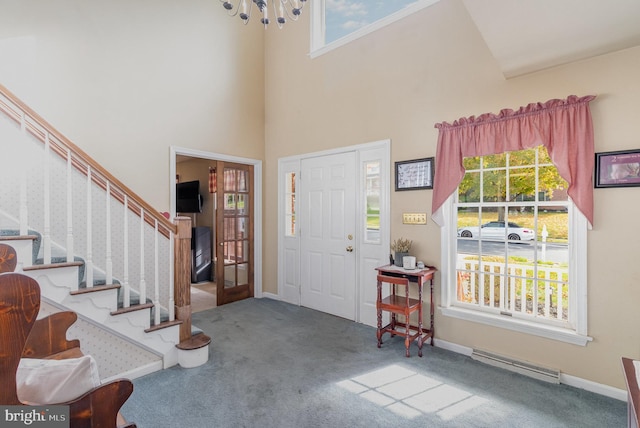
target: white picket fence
513 287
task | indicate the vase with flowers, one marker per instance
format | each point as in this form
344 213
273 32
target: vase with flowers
401 248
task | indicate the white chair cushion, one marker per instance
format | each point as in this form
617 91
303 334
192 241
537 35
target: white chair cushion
55 381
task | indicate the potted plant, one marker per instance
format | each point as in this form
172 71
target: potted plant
401 248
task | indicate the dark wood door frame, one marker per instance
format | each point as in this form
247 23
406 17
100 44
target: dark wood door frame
176 153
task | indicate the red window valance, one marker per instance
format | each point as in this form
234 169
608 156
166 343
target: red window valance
564 127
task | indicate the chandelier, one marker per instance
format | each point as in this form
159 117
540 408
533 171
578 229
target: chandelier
282 9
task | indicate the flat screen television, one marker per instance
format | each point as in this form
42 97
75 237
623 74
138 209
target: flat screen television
188 198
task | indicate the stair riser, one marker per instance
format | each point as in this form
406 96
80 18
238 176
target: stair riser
162 341
23 251
138 320
56 283
96 306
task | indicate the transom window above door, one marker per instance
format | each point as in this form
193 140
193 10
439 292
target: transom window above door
337 22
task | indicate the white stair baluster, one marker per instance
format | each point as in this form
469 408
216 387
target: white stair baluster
143 284
156 297
24 217
46 233
89 261
126 299
109 262
24 213
69 209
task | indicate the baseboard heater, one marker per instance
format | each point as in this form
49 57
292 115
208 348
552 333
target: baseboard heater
540 373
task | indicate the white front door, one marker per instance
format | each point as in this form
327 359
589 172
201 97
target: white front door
328 234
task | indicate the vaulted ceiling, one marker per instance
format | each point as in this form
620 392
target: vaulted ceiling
530 35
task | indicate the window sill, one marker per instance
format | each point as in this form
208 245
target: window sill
522 326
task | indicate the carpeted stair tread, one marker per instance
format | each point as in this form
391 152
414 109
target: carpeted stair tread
95 288
132 308
98 282
52 266
134 299
63 259
164 315
162 325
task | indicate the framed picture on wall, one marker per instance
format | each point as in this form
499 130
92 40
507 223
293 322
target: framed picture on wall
414 174
618 169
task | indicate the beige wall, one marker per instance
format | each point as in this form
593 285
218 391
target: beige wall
125 80
434 66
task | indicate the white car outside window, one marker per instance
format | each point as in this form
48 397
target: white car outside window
496 230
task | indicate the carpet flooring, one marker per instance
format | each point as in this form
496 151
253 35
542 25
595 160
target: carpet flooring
274 364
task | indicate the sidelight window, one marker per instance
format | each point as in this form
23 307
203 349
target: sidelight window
290 204
372 203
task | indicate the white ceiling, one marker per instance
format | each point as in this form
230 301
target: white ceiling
530 35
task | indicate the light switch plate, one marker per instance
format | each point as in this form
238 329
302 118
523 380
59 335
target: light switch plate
414 218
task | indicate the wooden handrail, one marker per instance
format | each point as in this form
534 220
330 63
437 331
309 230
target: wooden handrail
79 153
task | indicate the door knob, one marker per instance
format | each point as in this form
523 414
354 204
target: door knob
350 249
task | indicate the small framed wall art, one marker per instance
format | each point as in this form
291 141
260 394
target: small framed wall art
414 174
618 169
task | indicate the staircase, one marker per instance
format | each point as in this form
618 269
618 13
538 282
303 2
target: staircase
93 245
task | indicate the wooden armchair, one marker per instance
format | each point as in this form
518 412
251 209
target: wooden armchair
22 336
8 258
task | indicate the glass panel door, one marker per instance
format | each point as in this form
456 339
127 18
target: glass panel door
234 246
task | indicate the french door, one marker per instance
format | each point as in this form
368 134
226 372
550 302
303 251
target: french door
234 262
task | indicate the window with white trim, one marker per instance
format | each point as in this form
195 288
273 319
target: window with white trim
372 202
336 22
513 248
290 204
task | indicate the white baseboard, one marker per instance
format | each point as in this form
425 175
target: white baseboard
450 346
598 388
268 295
574 381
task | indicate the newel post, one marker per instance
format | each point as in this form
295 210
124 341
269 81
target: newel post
182 275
